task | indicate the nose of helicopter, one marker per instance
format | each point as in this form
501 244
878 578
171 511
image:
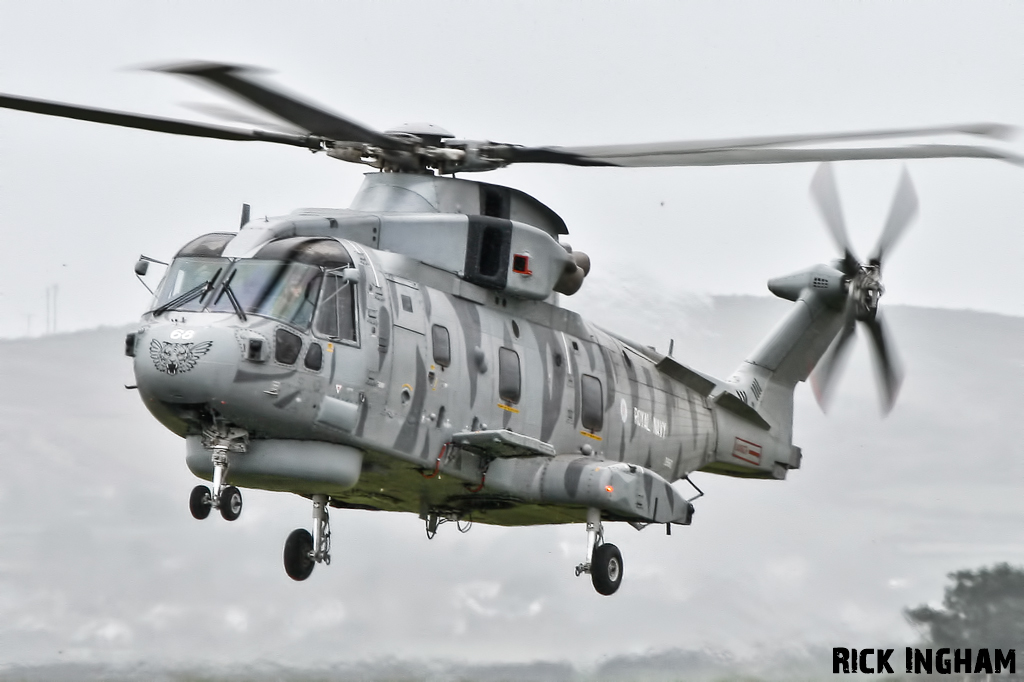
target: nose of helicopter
178 364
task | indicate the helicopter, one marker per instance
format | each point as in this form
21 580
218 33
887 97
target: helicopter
410 353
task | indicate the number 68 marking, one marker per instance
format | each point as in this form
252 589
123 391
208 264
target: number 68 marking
183 334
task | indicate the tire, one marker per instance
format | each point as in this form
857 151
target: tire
297 548
199 502
606 569
230 503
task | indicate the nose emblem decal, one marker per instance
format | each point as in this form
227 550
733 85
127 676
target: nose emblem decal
177 358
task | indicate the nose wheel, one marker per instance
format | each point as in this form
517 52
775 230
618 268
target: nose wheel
302 550
200 502
604 560
225 498
229 502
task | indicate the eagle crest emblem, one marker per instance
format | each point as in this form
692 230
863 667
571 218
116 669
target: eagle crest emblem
177 358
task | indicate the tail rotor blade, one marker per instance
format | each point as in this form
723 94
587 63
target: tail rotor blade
826 196
887 365
823 379
904 208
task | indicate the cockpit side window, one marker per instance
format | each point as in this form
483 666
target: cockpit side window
336 315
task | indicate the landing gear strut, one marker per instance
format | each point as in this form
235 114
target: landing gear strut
226 498
604 560
303 551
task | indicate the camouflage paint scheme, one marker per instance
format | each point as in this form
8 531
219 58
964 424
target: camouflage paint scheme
389 399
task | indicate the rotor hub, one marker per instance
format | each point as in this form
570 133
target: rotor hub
866 289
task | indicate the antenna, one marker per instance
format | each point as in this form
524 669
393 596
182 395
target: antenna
245 216
51 310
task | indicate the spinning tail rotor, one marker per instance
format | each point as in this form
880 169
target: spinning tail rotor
864 288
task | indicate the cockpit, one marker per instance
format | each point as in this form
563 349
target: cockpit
287 280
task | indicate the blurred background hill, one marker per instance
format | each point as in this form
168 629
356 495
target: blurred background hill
101 564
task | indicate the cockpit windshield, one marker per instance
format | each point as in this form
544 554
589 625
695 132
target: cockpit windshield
282 291
279 290
282 281
185 275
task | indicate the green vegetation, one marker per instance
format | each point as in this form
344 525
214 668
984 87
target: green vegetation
981 609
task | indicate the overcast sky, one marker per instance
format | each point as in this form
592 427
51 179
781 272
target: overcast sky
80 201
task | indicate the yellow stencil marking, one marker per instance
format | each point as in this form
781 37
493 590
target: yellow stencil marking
590 435
508 408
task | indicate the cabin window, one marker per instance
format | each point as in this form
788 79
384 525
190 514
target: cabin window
509 378
287 347
314 357
592 412
336 314
442 345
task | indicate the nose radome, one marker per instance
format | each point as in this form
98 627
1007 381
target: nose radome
180 364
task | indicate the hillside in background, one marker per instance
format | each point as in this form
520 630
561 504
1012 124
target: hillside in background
101 563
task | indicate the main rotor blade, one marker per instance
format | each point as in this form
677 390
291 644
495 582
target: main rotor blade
229 115
823 378
656 156
998 131
887 365
154 123
826 197
904 208
304 115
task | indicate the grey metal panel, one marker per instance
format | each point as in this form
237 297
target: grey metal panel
338 414
781 339
438 240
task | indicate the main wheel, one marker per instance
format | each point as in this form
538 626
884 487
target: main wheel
298 563
230 503
606 569
199 502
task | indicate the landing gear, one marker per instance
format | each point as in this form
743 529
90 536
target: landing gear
298 554
606 569
303 551
226 498
604 560
200 502
230 503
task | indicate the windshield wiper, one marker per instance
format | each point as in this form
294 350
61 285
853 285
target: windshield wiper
226 289
199 292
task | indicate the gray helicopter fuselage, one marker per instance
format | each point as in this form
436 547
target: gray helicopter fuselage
418 376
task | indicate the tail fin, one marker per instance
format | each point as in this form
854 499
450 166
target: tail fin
767 378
